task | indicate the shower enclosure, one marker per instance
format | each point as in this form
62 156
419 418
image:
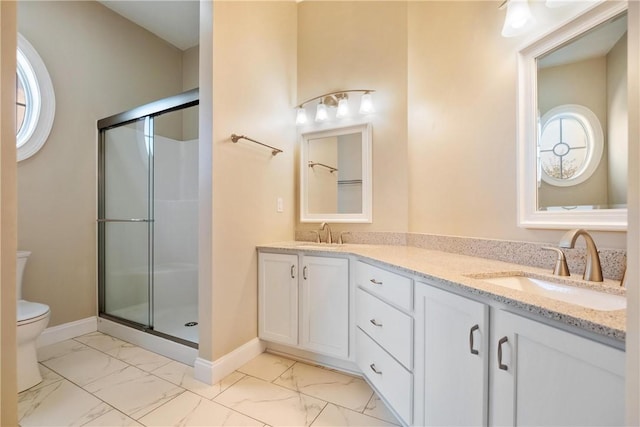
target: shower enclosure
148 218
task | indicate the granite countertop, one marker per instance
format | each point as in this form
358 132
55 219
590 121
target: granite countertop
464 274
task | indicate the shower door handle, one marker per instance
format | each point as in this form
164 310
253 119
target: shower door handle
124 220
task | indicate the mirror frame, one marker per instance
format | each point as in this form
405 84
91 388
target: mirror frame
366 216
527 123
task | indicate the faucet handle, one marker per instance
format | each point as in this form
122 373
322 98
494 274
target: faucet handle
317 235
341 238
561 268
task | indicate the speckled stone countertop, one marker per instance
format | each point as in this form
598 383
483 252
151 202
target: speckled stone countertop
464 274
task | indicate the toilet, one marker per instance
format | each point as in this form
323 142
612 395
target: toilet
33 318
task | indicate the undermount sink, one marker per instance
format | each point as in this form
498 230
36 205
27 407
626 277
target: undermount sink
580 296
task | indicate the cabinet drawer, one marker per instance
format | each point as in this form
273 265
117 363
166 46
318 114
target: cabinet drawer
388 376
390 286
389 327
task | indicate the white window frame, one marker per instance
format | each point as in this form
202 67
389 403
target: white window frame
41 101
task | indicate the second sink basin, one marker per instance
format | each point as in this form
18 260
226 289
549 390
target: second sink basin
320 246
583 297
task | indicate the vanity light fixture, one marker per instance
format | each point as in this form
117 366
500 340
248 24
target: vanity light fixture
519 18
338 100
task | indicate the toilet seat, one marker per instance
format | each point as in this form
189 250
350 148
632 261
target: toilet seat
30 312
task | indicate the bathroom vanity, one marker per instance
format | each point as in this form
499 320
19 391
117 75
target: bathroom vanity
438 343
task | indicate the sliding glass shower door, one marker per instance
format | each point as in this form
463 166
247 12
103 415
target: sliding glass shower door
148 218
125 223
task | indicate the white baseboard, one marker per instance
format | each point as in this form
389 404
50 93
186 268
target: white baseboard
212 372
67 331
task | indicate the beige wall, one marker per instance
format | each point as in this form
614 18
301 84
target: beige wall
190 64
617 126
363 45
100 64
462 125
582 83
8 228
190 68
632 403
444 145
254 74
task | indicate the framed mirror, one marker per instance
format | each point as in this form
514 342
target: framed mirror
573 124
335 175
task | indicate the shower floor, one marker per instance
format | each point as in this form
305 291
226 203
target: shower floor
170 321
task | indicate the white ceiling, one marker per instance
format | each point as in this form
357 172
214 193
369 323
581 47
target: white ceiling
175 21
593 44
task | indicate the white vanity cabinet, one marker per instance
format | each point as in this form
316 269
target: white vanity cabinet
540 375
384 335
304 302
476 365
452 355
278 298
325 306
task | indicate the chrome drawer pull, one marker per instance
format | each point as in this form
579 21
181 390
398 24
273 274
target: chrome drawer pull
500 364
473 329
374 323
373 368
375 282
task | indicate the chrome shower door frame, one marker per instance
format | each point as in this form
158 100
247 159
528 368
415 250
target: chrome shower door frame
147 112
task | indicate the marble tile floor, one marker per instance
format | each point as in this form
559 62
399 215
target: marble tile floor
98 380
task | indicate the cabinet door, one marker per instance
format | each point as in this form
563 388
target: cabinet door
546 376
325 306
278 298
451 354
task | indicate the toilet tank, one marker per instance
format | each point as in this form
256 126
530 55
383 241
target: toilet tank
21 263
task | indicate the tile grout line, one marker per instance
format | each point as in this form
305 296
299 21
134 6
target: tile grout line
63 378
157 376
326 403
129 366
373 392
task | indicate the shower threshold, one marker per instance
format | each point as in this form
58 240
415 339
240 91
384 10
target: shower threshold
149 340
171 321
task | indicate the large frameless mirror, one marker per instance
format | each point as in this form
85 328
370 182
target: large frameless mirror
573 124
335 175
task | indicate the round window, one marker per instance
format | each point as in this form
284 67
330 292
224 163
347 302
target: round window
570 145
35 101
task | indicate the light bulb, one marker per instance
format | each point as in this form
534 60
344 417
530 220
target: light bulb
321 113
366 104
301 116
519 18
343 108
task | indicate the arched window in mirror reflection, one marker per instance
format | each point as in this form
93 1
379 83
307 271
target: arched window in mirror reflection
571 143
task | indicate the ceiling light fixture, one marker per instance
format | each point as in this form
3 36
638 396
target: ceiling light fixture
338 100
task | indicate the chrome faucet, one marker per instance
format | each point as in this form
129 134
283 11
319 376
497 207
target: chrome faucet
324 226
592 269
